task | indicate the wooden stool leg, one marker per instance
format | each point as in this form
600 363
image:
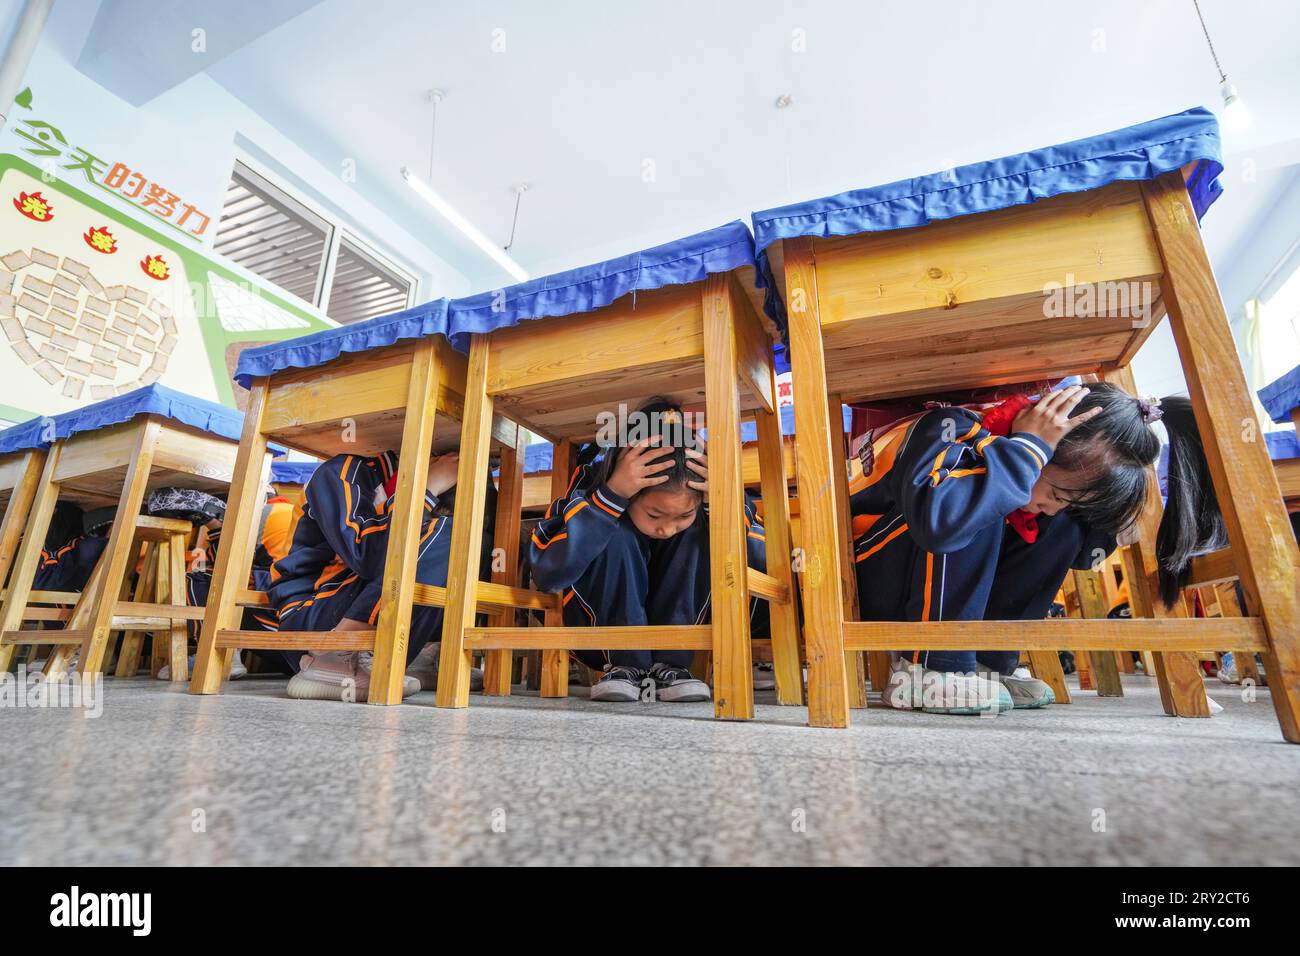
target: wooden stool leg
816 461
393 632
128 658
854 666
702 666
1046 666
171 568
879 667
118 548
29 555
733 668
235 556
18 510
786 667
510 503
466 530
1083 666
1092 602
554 673
1244 660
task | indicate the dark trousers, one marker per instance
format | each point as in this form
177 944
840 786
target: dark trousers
357 599
998 576
641 581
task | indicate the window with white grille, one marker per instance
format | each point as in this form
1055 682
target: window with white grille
292 246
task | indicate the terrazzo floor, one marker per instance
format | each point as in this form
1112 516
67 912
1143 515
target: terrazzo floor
250 777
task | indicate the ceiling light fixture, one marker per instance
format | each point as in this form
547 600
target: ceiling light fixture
1236 117
452 215
467 228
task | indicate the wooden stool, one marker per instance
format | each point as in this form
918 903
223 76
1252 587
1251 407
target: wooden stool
115 452
690 333
391 383
964 303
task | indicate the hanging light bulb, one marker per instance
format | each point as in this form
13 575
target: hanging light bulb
1235 116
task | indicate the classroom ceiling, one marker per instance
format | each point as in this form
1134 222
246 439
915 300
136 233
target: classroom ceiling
635 123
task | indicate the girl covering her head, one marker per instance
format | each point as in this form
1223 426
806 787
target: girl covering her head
969 515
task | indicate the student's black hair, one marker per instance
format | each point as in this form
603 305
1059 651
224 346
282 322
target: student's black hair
664 419
1114 452
65 524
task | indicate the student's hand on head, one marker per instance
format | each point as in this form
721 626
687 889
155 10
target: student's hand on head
1050 419
442 473
639 466
698 462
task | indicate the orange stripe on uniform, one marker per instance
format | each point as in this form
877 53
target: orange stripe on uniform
929 580
543 547
888 538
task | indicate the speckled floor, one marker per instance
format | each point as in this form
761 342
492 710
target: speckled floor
250 777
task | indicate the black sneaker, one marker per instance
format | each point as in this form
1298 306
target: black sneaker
676 685
618 684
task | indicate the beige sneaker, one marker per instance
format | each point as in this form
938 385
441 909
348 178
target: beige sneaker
339 675
913 687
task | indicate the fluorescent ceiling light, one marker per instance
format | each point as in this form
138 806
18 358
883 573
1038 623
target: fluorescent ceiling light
448 212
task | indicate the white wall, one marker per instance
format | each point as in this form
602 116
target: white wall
187 140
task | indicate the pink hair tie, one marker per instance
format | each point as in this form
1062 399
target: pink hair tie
1150 409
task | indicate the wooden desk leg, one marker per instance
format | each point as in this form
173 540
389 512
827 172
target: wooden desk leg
393 631
854 666
118 548
786 667
1092 602
1182 690
553 665
18 510
146 589
235 556
733 668
29 554
1244 481
466 530
815 464
510 499
1046 666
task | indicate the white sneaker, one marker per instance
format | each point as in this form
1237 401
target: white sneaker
913 687
425 669
339 675
1228 670
1027 692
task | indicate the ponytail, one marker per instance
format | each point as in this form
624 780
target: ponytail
1112 455
1192 523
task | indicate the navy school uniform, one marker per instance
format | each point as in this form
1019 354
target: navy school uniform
610 574
69 567
933 542
335 566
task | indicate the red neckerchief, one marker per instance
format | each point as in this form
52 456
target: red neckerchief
997 421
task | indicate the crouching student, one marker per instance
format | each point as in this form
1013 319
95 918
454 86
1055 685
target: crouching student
628 545
966 516
332 577
68 559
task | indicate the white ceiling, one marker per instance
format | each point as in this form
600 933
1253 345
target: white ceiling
585 92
